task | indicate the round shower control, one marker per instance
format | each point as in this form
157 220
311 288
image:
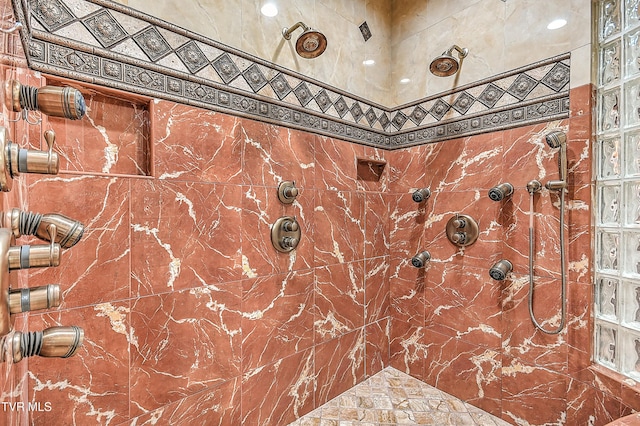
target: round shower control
462 230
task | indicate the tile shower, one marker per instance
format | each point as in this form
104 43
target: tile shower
189 313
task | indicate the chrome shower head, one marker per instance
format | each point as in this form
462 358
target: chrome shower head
311 43
556 139
445 64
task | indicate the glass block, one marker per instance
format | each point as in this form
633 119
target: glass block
610 63
630 306
609 18
606 345
632 203
632 153
632 102
632 53
608 249
607 298
631 247
630 353
632 13
609 205
609 110
609 158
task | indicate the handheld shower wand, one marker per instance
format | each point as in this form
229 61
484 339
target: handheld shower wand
556 139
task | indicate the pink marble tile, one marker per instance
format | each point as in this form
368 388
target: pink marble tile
408 348
586 404
339 300
279 393
339 365
464 370
260 210
520 338
195 144
407 225
376 289
273 154
377 337
408 168
93 385
339 226
579 326
579 150
183 343
96 269
376 238
533 394
336 164
219 406
277 317
373 170
407 289
470 310
184 235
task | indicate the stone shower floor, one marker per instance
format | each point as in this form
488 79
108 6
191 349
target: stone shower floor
394 398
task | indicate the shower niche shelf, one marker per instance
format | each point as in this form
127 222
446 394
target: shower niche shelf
369 169
113 137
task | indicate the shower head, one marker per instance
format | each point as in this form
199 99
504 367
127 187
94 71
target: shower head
311 43
556 139
445 64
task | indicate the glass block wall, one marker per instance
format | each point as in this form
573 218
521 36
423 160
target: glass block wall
617 208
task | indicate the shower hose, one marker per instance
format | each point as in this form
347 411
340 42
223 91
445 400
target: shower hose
562 267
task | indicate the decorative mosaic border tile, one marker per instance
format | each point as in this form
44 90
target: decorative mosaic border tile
106 43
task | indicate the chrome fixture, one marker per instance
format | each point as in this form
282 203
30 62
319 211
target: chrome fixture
33 299
65 102
52 342
15 160
421 195
534 186
285 234
310 44
500 192
21 257
68 231
558 139
287 192
445 64
462 230
500 270
555 139
420 260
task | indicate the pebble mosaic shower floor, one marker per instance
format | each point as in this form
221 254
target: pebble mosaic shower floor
394 398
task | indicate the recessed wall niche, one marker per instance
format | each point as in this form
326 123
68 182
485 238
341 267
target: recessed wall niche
112 138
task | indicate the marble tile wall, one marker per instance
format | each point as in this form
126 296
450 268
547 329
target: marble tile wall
188 310
453 324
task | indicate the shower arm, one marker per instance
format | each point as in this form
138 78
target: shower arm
462 52
286 32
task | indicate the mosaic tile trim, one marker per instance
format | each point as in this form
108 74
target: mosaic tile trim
105 43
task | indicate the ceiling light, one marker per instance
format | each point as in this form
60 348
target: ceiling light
269 9
557 23
405 81
368 62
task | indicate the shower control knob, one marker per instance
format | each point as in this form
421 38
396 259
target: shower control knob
285 234
287 192
65 102
421 195
459 223
459 238
290 226
289 242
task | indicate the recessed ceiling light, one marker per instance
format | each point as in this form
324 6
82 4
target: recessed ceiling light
269 9
368 62
405 81
557 23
